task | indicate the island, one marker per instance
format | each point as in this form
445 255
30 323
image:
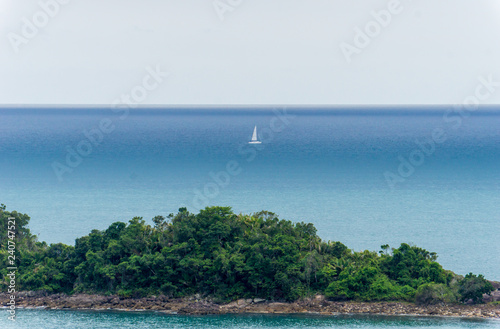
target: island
217 262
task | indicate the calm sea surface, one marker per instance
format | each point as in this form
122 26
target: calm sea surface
365 178
50 319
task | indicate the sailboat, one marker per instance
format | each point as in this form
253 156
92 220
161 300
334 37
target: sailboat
254 137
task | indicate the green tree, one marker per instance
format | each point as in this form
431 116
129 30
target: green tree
434 293
473 287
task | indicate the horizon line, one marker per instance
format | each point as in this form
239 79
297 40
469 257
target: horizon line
234 106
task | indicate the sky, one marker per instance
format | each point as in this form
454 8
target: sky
258 52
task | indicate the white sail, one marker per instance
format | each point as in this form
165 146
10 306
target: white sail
254 136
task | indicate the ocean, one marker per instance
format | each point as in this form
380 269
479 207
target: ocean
365 177
50 319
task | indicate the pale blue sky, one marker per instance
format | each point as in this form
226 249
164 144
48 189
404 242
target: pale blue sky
262 52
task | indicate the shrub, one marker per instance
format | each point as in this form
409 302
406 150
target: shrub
338 290
126 293
434 293
383 289
473 287
407 293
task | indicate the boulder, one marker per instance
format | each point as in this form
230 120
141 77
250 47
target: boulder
493 297
319 298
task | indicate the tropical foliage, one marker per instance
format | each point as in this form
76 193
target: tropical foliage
226 256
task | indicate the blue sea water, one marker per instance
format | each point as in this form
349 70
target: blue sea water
42 319
328 167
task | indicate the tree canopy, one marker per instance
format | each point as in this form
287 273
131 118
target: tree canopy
226 256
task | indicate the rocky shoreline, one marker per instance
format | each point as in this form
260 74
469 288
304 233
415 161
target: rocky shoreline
198 306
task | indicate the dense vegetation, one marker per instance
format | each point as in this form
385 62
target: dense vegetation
226 256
